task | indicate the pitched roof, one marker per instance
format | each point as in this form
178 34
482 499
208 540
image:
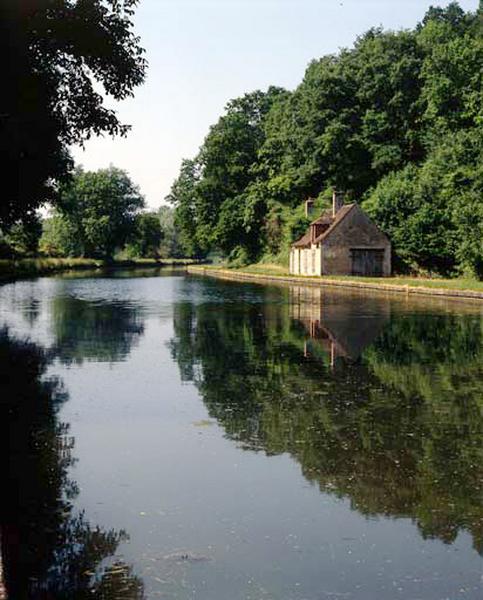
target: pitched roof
340 216
304 241
325 218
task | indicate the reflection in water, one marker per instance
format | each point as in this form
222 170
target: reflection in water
47 551
378 401
94 330
339 333
396 426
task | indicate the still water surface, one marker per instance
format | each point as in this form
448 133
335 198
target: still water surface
169 436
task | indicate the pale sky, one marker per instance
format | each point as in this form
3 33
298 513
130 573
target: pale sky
203 53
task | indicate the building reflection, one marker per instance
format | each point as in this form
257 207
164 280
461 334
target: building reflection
335 325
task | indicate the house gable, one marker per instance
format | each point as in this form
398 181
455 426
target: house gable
355 232
354 229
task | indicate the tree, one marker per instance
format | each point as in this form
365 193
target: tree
210 195
146 236
434 212
60 236
22 238
52 55
170 244
183 197
101 209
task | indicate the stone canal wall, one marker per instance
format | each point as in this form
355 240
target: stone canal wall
338 283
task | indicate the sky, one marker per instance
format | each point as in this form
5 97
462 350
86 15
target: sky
202 53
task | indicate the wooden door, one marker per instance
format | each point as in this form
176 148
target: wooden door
367 262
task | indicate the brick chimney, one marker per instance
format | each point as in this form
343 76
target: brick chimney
309 207
337 201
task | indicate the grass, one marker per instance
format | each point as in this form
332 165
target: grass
31 267
272 269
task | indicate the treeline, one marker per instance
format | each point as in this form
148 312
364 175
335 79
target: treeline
396 122
99 215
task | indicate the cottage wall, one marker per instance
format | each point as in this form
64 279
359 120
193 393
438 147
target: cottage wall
354 231
295 261
306 261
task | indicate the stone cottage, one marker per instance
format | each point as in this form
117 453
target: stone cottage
342 241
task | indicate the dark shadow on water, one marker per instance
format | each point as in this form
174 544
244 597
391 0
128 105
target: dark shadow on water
378 404
48 551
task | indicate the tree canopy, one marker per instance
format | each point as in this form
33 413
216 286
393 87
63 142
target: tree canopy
146 236
98 213
387 121
54 57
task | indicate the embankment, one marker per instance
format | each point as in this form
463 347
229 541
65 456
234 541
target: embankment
392 284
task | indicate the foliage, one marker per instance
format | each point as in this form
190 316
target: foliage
183 196
170 245
146 236
22 238
98 214
60 237
384 120
214 205
53 56
434 212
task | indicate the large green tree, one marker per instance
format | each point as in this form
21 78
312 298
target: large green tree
213 205
59 237
434 212
99 210
183 197
146 236
53 53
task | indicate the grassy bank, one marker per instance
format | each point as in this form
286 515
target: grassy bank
31 267
449 287
451 284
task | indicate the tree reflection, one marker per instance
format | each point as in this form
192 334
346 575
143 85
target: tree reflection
100 331
378 405
47 550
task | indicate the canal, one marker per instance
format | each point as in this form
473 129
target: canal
179 437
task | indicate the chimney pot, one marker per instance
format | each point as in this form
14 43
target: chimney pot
309 207
337 201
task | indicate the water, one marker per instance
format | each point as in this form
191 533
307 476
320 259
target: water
169 436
